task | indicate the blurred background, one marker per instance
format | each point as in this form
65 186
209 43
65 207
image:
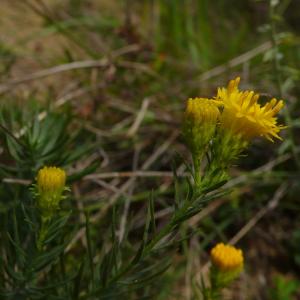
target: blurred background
116 74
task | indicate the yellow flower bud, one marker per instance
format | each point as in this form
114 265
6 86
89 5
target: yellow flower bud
200 120
227 258
50 186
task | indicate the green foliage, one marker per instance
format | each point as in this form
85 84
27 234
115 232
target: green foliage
8 57
285 289
42 142
187 29
162 51
293 246
35 248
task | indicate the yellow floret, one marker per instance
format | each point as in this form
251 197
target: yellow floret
227 258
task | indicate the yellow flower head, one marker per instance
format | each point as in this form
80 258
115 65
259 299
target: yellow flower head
243 115
200 120
50 186
227 258
51 178
202 110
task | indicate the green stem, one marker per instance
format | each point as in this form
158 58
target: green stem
197 170
63 274
163 233
170 226
42 234
16 232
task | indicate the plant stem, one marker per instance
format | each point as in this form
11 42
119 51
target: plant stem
197 169
42 234
16 230
163 233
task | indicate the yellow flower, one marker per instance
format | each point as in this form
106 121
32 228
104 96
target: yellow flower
200 120
227 258
51 178
202 110
50 186
244 116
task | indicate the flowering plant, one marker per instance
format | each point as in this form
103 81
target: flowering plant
38 244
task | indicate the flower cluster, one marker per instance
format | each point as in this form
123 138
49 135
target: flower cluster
50 186
223 126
